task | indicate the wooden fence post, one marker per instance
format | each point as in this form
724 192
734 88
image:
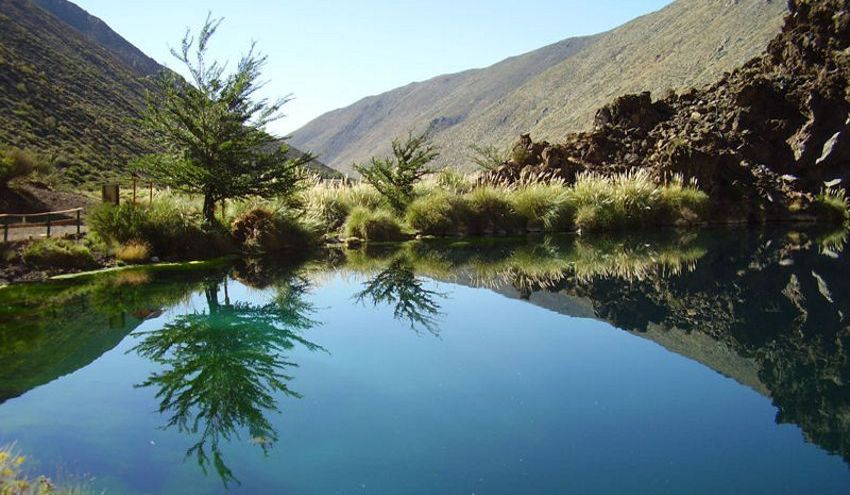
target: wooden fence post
78 222
48 225
5 229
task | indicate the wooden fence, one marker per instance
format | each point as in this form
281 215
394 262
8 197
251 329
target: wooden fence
48 219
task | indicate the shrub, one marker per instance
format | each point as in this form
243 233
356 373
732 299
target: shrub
249 225
260 231
134 252
16 163
488 212
371 225
58 253
120 224
831 205
519 154
394 177
171 227
487 157
436 214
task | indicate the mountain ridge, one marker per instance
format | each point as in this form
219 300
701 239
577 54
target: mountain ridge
715 36
99 32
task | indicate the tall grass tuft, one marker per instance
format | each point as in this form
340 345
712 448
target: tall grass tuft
543 206
373 225
633 200
438 213
832 205
328 204
488 212
134 252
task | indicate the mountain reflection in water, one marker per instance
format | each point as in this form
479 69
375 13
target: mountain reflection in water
767 309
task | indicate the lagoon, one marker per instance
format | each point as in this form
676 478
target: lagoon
713 362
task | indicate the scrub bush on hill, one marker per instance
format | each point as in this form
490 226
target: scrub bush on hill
16 163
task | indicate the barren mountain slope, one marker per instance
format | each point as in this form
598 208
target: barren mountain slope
690 42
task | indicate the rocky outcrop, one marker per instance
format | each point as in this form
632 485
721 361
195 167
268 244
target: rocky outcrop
761 141
530 161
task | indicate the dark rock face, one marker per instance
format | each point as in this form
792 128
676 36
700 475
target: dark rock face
763 137
631 111
535 161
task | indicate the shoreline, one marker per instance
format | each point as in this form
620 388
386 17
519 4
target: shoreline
33 274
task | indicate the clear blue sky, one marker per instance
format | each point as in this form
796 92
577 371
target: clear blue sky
331 53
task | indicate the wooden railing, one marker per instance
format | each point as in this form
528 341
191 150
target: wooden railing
46 219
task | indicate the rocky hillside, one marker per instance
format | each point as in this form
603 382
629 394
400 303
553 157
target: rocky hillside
62 94
556 89
70 88
762 140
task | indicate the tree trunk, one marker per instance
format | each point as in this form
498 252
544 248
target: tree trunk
209 209
211 293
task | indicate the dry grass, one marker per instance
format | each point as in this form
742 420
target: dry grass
13 481
134 252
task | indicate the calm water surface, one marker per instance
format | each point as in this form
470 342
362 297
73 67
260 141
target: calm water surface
711 363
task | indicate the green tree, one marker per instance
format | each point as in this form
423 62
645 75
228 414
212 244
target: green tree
394 177
212 129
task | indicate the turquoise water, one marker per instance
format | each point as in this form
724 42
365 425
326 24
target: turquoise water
700 364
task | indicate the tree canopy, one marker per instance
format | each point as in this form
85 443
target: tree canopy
212 128
395 176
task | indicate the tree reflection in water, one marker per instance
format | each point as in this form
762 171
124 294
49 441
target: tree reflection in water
223 370
397 285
